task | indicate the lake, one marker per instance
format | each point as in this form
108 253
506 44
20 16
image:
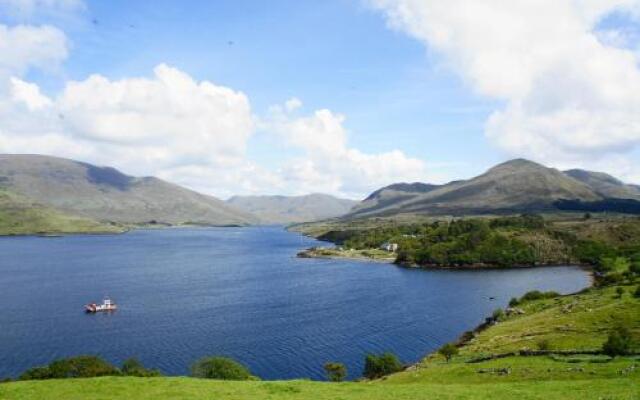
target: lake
238 292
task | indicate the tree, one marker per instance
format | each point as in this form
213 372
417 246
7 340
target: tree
133 367
379 366
336 372
220 368
75 367
618 343
448 351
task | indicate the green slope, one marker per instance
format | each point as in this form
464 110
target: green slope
576 322
21 216
190 388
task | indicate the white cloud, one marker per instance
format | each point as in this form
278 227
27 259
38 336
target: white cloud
198 122
24 46
330 165
569 95
28 94
142 125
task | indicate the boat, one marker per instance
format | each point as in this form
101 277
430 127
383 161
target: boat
107 305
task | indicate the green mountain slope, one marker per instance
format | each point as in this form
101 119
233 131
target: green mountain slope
20 216
106 194
605 185
514 186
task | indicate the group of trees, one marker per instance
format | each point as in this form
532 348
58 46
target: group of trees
503 241
459 242
87 367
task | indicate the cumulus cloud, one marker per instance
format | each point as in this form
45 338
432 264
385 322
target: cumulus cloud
143 125
328 163
24 46
571 93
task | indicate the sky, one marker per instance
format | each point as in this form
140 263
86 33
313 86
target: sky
338 96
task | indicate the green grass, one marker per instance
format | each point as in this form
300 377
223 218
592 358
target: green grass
575 322
364 254
191 388
20 216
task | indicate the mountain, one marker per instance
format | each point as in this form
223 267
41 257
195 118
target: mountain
605 185
292 209
514 186
106 194
20 215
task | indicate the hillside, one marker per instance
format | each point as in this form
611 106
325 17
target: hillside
514 186
577 323
19 216
106 194
605 185
292 209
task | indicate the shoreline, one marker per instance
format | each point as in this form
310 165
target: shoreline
116 232
333 253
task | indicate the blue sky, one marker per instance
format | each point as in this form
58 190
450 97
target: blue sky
398 88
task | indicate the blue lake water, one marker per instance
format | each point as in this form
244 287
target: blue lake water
239 292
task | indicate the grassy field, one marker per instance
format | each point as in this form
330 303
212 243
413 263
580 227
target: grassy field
20 216
191 388
334 252
576 322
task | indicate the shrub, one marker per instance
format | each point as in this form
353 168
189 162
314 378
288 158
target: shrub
448 351
610 279
538 295
133 367
379 366
220 368
619 291
544 345
637 293
634 268
498 315
75 367
514 302
336 372
618 343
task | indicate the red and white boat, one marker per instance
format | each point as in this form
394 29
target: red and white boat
107 305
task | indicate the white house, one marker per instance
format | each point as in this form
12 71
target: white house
392 247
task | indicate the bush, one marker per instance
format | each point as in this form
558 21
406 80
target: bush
618 343
448 351
544 345
133 367
538 295
220 368
514 302
498 315
637 293
336 372
634 268
75 367
619 291
379 366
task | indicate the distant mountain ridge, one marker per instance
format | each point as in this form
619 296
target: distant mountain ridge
106 194
293 209
514 186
